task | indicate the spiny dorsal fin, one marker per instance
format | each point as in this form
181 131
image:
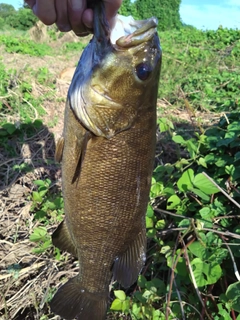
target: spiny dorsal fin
59 150
62 239
127 267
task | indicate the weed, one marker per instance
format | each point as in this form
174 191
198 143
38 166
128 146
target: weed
192 227
25 46
202 67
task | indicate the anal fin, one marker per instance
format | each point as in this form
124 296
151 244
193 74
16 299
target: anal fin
127 267
61 239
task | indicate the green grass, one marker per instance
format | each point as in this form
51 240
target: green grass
203 67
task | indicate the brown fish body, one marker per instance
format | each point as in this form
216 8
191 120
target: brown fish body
107 160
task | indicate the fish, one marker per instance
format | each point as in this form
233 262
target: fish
107 152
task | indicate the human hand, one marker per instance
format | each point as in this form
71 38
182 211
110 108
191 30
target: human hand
71 14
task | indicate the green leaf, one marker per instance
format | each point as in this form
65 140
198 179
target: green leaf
205 273
201 194
38 234
223 312
10 128
230 169
37 197
201 162
125 305
185 182
141 281
139 296
168 191
120 295
116 305
39 183
233 294
156 189
204 184
160 224
179 139
181 267
165 124
149 222
210 158
173 202
198 250
136 310
150 212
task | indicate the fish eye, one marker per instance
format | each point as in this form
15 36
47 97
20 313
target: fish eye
143 70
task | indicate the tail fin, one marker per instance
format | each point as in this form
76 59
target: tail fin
72 301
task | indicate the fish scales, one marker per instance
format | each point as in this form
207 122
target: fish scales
110 195
107 154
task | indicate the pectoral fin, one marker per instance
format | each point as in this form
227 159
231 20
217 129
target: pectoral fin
59 150
62 239
127 267
82 152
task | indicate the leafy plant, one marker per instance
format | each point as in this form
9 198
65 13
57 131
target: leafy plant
25 46
47 209
198 66
192 227
74 46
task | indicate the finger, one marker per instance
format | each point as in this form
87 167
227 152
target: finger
111 7
45 11
87 18
31 3
62 15
75 12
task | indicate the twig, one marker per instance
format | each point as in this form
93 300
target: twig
23 271
224 233
180 299
221 189
193 279
190 305
170 213
233 260
172 276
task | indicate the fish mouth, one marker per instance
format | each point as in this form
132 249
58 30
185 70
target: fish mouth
129 33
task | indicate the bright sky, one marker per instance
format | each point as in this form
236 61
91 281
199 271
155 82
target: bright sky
16 3
202 14
209 14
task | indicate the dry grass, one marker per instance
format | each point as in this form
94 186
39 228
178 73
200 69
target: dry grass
26 278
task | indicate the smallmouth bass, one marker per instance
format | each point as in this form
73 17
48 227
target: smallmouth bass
107 154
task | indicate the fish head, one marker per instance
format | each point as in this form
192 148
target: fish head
122 83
